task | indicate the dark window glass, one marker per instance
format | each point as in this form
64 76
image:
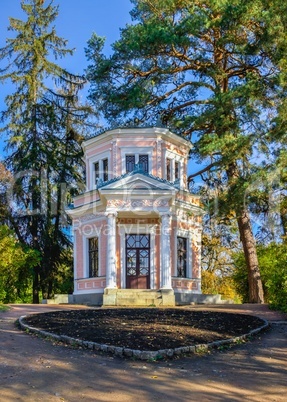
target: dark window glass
105 170
97 171
168 169
130 163
176 170
181 257
93 257
143 162
138 254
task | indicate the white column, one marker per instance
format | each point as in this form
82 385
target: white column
75 258
165 252
111 275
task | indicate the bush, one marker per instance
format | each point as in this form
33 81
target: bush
273 268
211 283
16 264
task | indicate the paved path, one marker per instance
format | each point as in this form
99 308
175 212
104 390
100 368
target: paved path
33 369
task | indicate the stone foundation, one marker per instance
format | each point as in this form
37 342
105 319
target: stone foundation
196 298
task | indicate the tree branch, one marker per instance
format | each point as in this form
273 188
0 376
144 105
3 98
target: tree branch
211 165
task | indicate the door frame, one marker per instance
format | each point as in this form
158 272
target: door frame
125 229
137 250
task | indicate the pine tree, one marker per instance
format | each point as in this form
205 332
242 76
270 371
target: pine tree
43 127
212 71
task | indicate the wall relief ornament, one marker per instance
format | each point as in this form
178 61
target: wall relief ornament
131 204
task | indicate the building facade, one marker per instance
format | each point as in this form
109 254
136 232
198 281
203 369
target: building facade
137 228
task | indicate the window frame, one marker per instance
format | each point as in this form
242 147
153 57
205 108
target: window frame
136 151
176 174
130 162
137 161
188 235
85 242
105 166
92 253
185 256
99 159
176 170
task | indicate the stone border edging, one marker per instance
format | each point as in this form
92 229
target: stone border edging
141 354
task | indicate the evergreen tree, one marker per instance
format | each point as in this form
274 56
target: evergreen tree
43 127
212 71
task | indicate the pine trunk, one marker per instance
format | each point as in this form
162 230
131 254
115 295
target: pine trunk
256 294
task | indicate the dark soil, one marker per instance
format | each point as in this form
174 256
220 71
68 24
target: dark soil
147 328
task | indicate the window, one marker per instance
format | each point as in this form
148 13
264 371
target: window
101 170
172 169
97 170
93 257
168 169
105 169
176 170
181 257
130 163
141 160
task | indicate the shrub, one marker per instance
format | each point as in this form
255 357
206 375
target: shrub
273 268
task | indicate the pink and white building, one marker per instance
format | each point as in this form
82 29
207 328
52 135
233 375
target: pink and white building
137 228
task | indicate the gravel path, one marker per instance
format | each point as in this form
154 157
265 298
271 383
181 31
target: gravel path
33 369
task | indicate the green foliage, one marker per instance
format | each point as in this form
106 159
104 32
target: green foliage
273 263
214 72
218 241
16 268
63 277
219 284
178 63
44 123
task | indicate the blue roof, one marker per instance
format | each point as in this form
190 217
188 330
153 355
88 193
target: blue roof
138 169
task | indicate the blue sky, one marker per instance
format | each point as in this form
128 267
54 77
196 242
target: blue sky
76 22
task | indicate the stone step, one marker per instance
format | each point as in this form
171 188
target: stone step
139 295
146 291
138 302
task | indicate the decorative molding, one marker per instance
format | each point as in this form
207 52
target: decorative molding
112 214
115 204
131 204
138 221
89 217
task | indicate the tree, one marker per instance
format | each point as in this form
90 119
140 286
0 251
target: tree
16 267
213 72
5 179
44 129
273 263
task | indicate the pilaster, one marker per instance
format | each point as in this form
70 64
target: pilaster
165 251
111 274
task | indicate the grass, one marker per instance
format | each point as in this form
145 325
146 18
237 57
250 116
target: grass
3 307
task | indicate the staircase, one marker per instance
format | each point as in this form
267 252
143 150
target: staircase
139 297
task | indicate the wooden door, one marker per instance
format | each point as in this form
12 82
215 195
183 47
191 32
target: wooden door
138 261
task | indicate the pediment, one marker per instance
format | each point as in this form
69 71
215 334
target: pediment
139 182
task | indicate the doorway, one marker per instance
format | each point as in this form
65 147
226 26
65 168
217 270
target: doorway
138 261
